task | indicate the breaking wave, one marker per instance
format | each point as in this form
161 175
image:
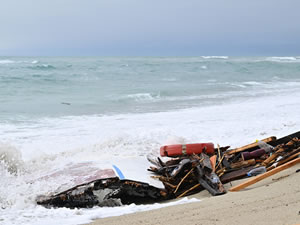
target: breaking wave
42 66
215 57
6 61
283 59
143 97
10 158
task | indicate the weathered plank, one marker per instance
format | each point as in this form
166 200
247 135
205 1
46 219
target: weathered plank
234 175
250 147
286 138
289 158
245 163
213 162
265 175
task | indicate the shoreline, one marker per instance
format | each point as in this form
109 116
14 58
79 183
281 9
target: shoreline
275 200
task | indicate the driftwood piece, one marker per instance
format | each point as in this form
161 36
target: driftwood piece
234 175
187 191
161 163
183 164
226 163
206 164
183 180
250 147
291 154
284 161
219 155
213 161
241 164
168 184
221 171
161 178
265 175
211 190
286 138
270 159
220 162
208 181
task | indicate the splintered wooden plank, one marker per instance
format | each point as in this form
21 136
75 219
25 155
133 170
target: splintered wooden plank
265 175
241 164
250 146
213 160
234 175
287 138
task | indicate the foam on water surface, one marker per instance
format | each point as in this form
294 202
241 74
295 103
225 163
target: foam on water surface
66 216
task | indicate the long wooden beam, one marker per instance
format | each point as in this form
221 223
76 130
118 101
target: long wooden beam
265 175
250 146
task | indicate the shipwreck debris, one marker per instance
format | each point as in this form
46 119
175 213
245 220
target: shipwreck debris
188 174
104 192
265 175
188 169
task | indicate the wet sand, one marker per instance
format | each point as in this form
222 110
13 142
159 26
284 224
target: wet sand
275 200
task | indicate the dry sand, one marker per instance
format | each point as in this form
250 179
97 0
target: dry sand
275 200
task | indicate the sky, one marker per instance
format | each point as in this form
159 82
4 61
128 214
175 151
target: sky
149 27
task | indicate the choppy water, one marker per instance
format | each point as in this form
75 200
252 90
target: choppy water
57 111
39 87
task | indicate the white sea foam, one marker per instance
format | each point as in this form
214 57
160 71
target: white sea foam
283 59
142 97
61 141
46 66
253 83
10 158
78 216
215 57
6 61
38 66
238 85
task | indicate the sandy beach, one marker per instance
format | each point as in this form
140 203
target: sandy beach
275 200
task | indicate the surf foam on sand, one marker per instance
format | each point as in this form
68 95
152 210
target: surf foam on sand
102 138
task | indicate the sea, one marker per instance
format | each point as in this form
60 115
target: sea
57 111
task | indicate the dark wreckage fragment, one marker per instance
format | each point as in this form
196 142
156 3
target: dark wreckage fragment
104 192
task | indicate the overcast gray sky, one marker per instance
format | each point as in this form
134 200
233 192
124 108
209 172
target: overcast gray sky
149 27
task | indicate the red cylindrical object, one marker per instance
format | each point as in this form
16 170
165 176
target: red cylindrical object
187 149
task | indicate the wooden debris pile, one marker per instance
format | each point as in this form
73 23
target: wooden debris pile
258 157
187 175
